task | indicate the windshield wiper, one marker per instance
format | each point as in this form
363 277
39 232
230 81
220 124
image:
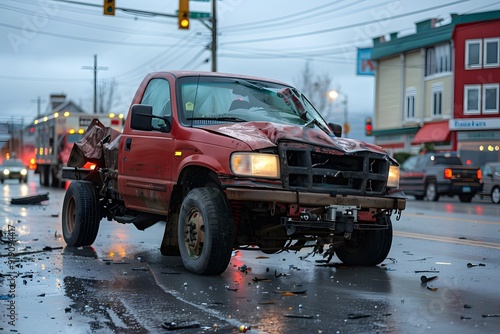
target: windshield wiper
220 118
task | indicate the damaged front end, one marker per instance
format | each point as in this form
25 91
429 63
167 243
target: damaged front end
325 196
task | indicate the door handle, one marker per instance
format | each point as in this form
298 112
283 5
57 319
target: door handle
128 143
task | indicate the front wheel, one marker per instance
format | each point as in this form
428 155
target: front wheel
80 214
495 195
366 248
205 231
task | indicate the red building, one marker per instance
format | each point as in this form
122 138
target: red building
476 121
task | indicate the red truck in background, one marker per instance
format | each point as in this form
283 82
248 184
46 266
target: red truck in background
228 162
55 135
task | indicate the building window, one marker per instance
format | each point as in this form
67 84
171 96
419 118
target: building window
438 59
437 100
491 52
490 99
410 103
471 99
473 53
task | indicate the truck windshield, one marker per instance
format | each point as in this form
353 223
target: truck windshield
216 100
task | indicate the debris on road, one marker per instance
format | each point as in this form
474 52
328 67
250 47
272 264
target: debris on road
425 279
496 315
470 265
426 271
32 200
357 315
301 316
181 325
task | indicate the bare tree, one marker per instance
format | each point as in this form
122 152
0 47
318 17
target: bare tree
106 96
316 88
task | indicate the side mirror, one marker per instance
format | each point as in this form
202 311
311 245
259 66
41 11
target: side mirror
140 118
336 128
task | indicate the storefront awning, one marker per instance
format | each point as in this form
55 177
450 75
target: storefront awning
433 133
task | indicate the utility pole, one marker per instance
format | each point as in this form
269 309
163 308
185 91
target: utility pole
214 35
95 68
38 107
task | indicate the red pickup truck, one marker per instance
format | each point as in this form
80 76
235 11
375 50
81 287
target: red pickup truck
230 161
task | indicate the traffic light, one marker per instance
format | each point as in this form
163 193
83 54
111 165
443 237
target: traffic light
183 14
109 7
368 126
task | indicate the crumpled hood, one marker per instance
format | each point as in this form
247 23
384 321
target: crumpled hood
260 135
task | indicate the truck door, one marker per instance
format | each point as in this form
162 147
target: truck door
145 156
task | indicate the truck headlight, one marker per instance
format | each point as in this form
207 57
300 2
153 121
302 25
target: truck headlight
393 177
255 164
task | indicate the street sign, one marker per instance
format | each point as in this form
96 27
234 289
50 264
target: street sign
196 15
199 15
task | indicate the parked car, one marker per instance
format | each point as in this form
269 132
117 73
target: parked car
14 169
491 181
431 175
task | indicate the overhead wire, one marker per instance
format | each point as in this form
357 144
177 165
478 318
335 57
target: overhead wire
294 18
337 28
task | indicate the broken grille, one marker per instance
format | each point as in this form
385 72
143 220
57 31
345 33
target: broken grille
319 169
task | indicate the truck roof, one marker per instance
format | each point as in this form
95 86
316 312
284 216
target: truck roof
179 74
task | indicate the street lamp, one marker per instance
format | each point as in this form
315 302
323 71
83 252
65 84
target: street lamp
333 95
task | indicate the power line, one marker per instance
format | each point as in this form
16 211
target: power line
287 18
94 40
348 26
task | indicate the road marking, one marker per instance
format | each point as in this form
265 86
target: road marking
466 242
419 215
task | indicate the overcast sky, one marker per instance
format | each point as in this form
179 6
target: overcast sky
45 43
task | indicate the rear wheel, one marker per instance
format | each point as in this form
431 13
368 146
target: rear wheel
80 214
205 231
431 191
44 176
368 247
495 195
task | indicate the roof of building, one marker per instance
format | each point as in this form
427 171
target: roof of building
427 34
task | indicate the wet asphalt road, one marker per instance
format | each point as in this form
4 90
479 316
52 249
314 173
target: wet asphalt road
123 285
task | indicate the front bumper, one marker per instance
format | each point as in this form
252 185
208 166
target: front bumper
396 202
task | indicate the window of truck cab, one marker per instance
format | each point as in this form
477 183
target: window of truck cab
157 95
207 100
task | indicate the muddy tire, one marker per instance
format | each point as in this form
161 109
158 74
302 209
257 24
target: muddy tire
431 193
366 248
205 231
80 214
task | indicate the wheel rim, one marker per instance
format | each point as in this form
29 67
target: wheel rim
194 233
70 216
430 191
495 195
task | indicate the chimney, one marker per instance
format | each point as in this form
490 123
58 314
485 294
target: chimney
56 100
394 36
426 25
378 40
